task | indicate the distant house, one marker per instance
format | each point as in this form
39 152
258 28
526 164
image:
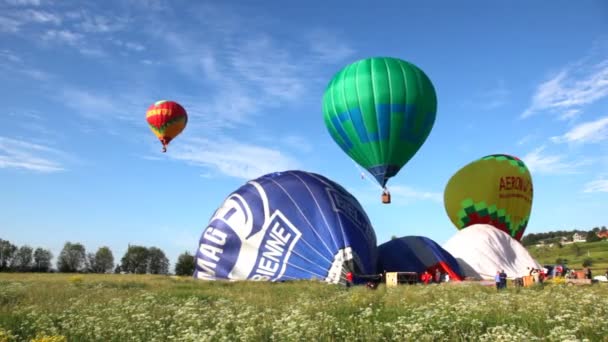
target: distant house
603 235
579 237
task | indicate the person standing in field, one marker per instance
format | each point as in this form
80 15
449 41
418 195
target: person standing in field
503 279
497 280
437 276
349 279
426 277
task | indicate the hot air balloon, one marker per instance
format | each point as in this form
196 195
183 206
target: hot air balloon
284 226
167 119
417 254
496 190
380 111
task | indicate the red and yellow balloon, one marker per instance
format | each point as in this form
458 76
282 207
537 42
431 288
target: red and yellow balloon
167 119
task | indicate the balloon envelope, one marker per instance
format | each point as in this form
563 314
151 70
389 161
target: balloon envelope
287 225
417 254
380 111
166 119
496 190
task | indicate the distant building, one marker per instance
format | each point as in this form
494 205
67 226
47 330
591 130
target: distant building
577 237
603 235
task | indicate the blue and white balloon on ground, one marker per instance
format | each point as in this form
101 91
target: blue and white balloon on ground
284 226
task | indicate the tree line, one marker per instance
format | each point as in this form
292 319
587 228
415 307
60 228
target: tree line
556 236
74 258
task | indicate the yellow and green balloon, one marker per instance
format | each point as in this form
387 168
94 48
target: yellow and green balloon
496 190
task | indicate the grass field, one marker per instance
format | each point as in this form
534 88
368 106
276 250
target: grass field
59 307
596 251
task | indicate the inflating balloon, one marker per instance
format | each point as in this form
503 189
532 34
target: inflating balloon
380 111
167 119
496 190
417 254
287 225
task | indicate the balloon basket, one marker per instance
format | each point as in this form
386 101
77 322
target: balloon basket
386 198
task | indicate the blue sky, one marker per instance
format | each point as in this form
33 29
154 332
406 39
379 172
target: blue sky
78 162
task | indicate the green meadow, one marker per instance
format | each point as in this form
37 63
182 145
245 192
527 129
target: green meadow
575 254
61 307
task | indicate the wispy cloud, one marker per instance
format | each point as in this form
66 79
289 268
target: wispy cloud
63 36
588 132
12 21
297 142
400 194
19 154
246 72
598 185
411 194
88 104
570 89
526 139
11 63
8 24
23 2
492 98
538 161
41 17
232 158
328 47
96 23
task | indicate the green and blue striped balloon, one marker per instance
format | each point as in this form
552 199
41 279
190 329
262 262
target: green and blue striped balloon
380 111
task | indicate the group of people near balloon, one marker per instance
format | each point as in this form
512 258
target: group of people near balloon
300 225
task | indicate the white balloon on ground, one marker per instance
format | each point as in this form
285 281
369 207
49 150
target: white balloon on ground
481 250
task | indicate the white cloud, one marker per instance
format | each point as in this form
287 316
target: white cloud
101 24
491 97
570 89
19 154
588 132
540 162
11 21
23 2
232 158
526 139
246 72
598 185
87 104
9 24
63 36
410 194
13 63
328 48
41 17
297 142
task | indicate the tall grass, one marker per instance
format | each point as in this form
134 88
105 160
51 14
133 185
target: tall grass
156 308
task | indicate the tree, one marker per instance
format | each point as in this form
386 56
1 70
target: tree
104 260
135 260
587 262
90 263
603 230
72 258
22 259
157 261
184 264
592 237
561 261
42 260
7 250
